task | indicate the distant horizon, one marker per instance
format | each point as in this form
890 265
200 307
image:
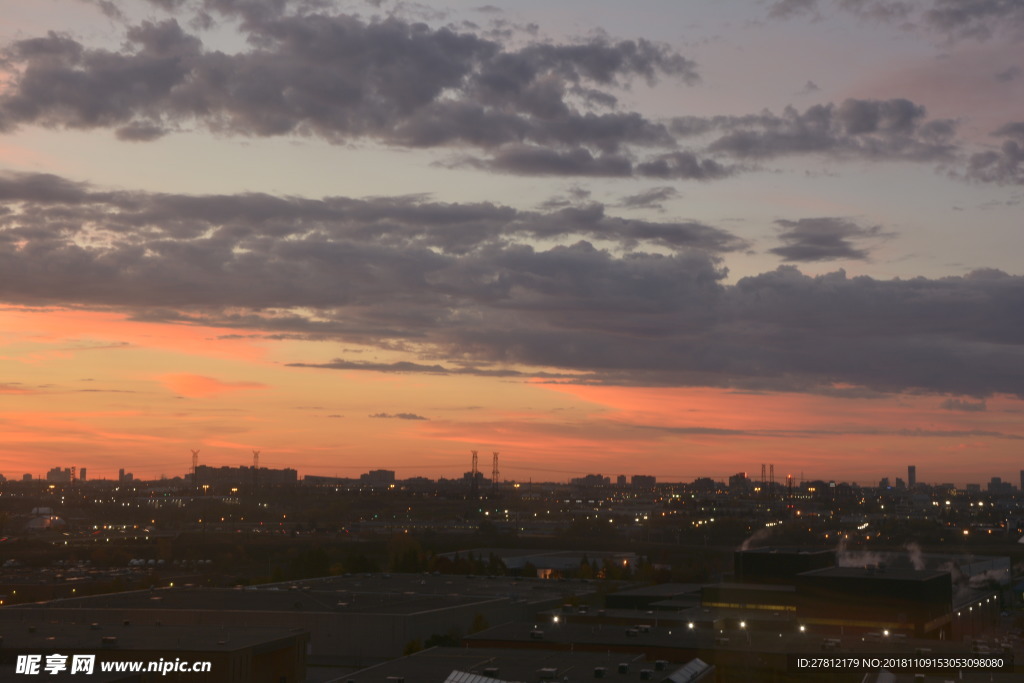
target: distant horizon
485 472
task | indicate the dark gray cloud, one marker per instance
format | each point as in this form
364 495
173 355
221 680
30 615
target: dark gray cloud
574 196
812 433
499 104
464 289
1008 74
809 87
537 160
964 406
896 129
652 198
312 71
824 239
879 10
407 367
979 19
955 19
399 416
533 160
1005 165
684 166
46 206
783 9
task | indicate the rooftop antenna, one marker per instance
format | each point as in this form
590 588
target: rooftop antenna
494 472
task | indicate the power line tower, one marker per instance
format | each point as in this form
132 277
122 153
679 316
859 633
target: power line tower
474 474
494 472
764 482
255 468
771 481
195 464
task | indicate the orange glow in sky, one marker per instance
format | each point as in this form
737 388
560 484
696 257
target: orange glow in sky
155 390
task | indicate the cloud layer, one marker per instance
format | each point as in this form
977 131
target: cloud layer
341 78
494 102
824 239
469 288
952 19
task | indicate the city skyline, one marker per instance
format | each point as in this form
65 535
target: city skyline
668 240
368 473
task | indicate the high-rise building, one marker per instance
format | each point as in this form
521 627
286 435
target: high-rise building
911 475
998 486
739 482
58 475
645 481
81 474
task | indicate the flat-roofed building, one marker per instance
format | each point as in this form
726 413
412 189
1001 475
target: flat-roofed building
484 665
231 654
353 621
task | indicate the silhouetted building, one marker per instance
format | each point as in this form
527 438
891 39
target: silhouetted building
235 477
739 482
591 480
59 476
379 477
999 487
643 481
911 476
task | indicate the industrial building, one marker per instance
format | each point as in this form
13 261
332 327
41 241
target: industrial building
486 665
353 621
921 595
235 655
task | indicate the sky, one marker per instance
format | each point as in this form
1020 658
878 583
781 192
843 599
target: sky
673 238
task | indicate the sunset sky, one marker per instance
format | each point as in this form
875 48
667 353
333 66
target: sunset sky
669 238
